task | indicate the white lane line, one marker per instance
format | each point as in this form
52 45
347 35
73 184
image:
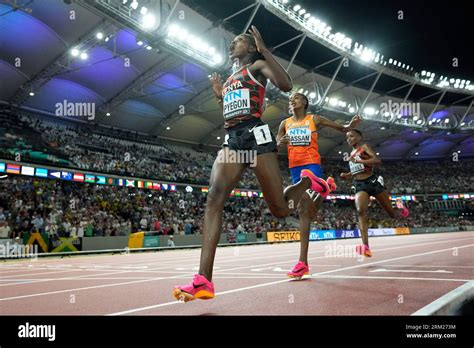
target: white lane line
80 289
35 274
354 242
429 266
396 258
134 310
363 263
391 278
178 302
235 259
36 280
376 242
229 276
408 271
151 259
152 270
107 285
180 276
219 261
55 279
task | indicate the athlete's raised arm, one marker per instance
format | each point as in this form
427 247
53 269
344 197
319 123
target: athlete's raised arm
321 121
216 84
269 67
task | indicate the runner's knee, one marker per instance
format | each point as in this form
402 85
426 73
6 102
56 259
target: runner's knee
216 197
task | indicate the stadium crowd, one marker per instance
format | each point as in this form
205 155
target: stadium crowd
66 208
125 155
62 208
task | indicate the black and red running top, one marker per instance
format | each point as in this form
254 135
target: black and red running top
243 97
359 154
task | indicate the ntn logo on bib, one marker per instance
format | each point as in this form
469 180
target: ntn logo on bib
236 103
299 136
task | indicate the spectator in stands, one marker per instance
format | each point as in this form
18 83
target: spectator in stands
4 229
143 224
38 223
157 225
188 228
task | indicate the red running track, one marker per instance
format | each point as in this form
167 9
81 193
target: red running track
405 274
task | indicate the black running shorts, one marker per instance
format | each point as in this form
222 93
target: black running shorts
252 136
373 185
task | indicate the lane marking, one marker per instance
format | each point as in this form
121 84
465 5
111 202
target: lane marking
409 271
151 259
427 266
178 302
391 278
34 274
54 279
134 310
396 258
180 276
235 290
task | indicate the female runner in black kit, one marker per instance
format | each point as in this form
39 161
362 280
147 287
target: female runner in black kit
361 162
242 98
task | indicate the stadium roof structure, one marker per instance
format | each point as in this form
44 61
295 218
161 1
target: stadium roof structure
145 65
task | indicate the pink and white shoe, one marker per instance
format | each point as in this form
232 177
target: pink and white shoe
301 269
363 250
331 183
317 184
404 213
200 288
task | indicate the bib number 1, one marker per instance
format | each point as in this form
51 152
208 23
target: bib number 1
262 134
380 180
226 139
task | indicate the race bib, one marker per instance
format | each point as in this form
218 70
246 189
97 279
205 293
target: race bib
356 168
226 139
236 103
380 180
299 136
262 134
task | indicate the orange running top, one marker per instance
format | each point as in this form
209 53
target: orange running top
303 144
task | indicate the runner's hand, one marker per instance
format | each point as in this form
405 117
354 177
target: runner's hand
355 122
284 140
261 48
216 84
353 160
345 176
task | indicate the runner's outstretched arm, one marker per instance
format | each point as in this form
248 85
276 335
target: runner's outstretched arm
321 121
269 67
